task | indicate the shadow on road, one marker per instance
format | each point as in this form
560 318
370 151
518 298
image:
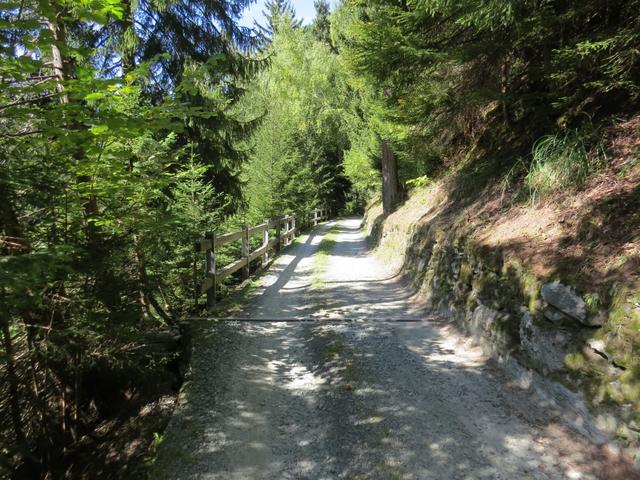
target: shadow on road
357 401
314 401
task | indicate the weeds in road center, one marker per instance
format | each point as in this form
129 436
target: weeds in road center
321 257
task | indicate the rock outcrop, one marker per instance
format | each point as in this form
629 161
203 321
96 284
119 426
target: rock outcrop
563 302
546 346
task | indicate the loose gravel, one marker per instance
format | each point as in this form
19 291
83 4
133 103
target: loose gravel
378 397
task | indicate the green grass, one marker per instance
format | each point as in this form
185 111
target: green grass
334 349
321 257
158 438
561 161
236 297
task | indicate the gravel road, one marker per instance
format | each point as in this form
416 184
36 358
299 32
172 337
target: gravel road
372 398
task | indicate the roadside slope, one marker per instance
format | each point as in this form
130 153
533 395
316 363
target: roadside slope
554 284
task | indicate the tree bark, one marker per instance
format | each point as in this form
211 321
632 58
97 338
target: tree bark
13 241
141 267
156 306
390 184
12 380
60 67
63 71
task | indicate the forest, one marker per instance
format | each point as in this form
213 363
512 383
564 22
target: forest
128 129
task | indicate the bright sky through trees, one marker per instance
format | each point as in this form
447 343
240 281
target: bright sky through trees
304 10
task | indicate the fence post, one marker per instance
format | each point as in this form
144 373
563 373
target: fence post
211 270
293 226
287 236
265 243
278 230
315 217
245 251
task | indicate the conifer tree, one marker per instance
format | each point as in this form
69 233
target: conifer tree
277 13
321 26
119 149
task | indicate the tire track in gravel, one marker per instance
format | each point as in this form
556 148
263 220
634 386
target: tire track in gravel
369 399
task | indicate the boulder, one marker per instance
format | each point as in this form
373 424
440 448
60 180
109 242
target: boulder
595 352
566 301
545 346
482 320
598 346
553 315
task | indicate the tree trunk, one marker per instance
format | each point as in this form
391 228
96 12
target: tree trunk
14 241
12 380
63 71
60 67
156 306
141 267
390 184
504 80
128 65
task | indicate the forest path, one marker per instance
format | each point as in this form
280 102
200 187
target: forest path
373 399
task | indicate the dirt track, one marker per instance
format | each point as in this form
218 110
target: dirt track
369 399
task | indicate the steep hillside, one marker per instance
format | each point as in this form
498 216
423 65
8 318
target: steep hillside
554 283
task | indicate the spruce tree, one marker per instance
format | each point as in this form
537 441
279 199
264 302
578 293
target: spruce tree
277 13
321 27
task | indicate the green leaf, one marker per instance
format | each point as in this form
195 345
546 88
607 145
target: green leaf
94 96
99 129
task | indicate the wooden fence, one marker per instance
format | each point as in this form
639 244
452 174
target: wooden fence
286 229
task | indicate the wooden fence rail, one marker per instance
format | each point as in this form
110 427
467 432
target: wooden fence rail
286 229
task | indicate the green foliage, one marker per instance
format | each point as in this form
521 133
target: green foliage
321 27
439 73
118 150
418 182
297 153
158 439
279 14
130 128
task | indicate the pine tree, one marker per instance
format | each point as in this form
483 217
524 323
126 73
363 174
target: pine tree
321 27
278 14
